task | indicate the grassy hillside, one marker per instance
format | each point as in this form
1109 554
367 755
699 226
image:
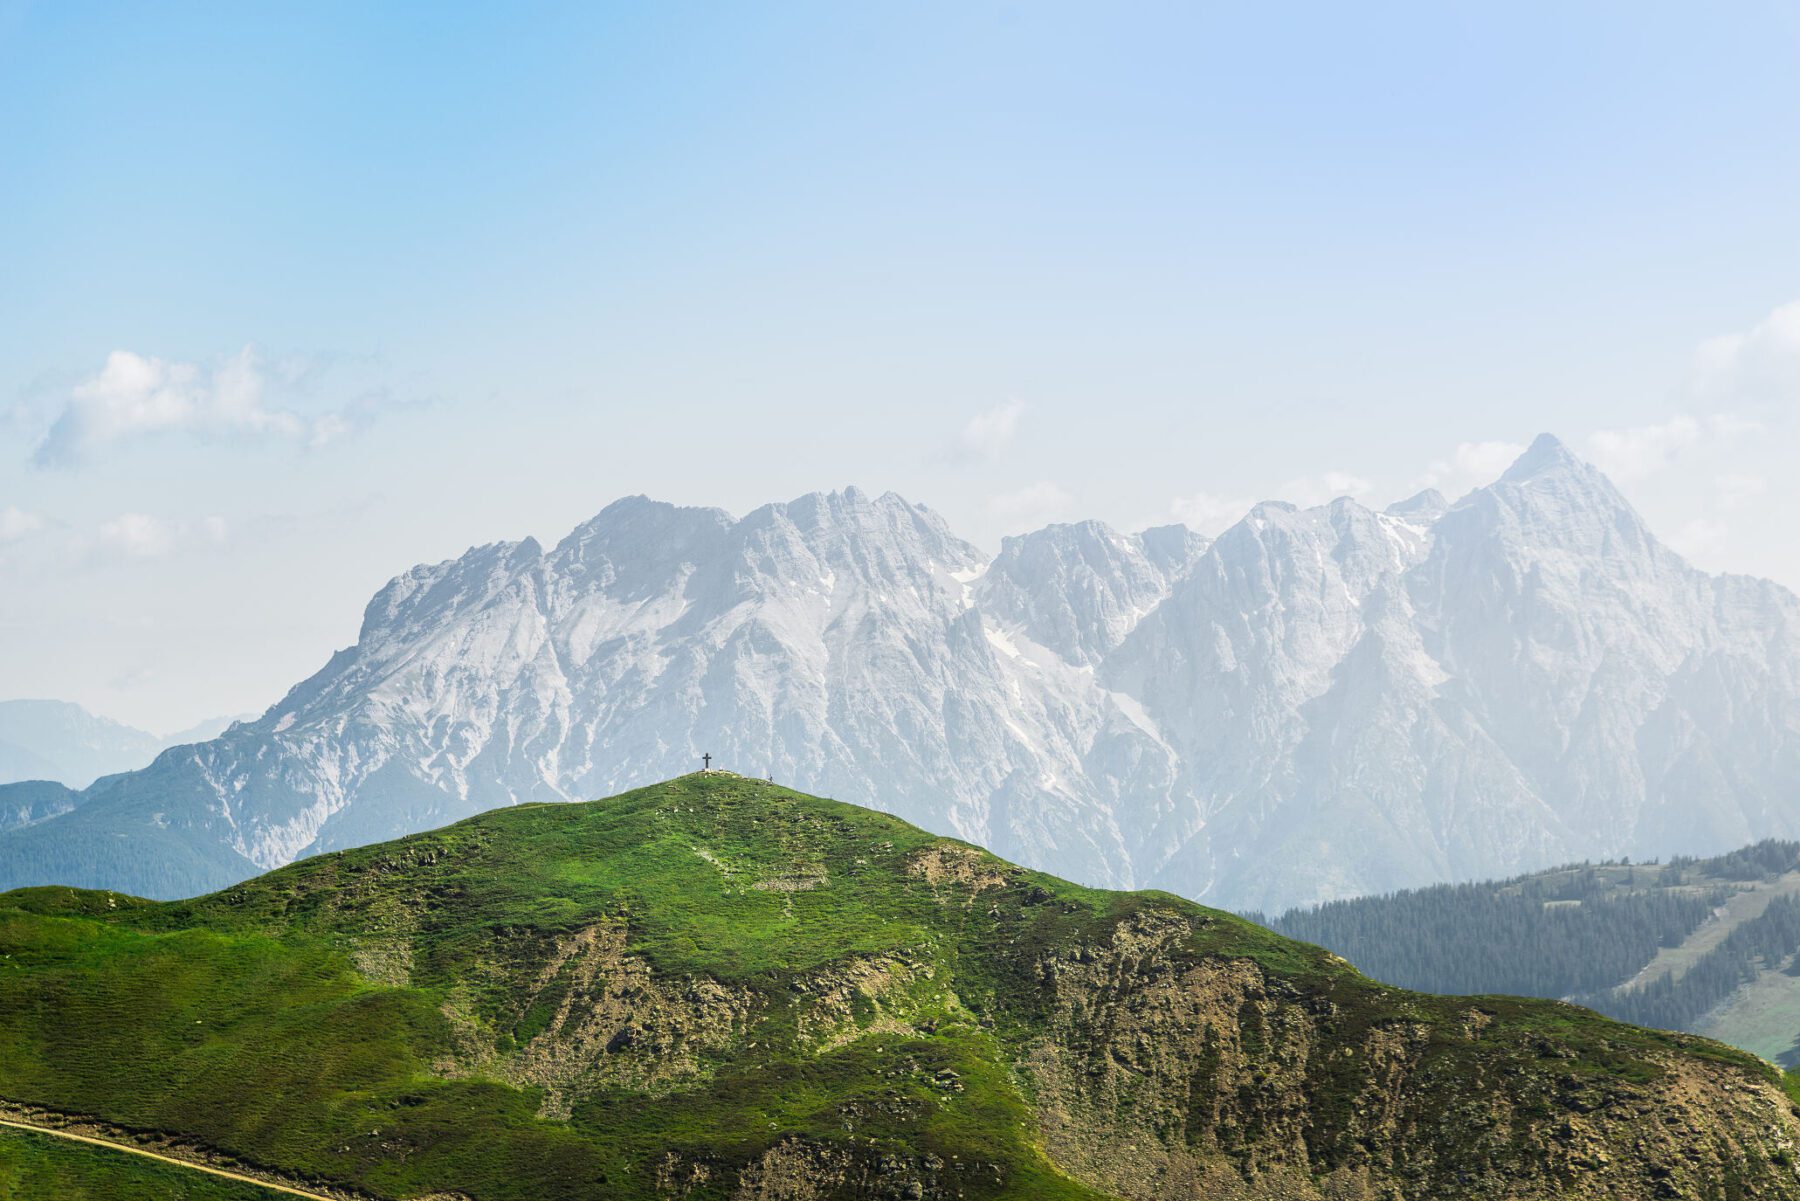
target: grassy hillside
34 1167
1710 946
719 988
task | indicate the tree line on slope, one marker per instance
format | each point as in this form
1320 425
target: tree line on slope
1471 938
1759 861
1579 931
1766 941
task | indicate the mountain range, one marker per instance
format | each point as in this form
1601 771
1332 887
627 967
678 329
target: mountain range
718 989
1320 703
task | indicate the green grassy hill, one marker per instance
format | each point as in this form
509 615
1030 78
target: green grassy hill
717 988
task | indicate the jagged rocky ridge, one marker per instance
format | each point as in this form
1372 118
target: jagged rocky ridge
1320 703
716 988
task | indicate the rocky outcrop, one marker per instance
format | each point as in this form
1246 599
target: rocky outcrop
594 1016
1161 1074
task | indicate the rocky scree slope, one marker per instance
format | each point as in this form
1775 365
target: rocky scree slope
1320 703
718 988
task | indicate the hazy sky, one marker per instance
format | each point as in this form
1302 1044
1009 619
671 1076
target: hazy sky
292 298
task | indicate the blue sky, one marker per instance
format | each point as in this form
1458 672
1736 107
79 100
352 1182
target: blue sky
292 297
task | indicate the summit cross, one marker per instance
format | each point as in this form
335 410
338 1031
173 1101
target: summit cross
706 761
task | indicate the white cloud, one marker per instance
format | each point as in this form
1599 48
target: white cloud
1031 506
1471 465
328 428
1761 364
1626 455
1209 512
989 433
1706 539
1698 537
16 523
1632 454
136 396
138 535
133 677
1738 489
1308 491
143 536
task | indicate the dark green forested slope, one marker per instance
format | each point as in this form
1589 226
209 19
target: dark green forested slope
716 988
1660 944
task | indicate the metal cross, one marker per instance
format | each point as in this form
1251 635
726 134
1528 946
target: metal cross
706 761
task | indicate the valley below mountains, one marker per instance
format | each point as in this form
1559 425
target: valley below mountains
718 988
1319 703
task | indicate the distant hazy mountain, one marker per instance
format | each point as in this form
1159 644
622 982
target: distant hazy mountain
1321 703
56 740
60 741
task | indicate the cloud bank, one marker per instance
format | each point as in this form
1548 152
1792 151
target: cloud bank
17 523
138 396
1760 365
988 434
143 536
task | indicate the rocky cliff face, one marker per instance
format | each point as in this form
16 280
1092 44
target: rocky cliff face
1322 702
1160 1075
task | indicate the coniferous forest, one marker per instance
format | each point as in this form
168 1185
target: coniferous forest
1583 932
